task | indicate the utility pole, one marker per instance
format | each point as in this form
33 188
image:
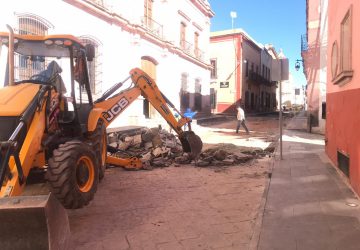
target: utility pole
233 15
280 119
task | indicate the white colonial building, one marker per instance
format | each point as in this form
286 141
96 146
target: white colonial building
168 39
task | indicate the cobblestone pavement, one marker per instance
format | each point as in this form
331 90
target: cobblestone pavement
184 207
172 208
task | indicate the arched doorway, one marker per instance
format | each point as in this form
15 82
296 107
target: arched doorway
148 64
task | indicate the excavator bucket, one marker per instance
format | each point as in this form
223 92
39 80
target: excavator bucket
191 144
33 222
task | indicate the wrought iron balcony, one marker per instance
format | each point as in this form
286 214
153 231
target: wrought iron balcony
101 3
199 54
304 43
152 26
257 78
187 47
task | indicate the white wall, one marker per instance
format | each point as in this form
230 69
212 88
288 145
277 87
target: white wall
120 51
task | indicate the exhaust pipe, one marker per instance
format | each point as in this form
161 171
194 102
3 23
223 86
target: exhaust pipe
11 55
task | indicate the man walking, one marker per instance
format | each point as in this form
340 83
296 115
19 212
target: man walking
241 120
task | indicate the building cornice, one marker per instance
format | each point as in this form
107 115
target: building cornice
218 37
114 18
181 13
203 7
197 26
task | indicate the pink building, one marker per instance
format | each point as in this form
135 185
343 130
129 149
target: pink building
241 73
313 52
343 88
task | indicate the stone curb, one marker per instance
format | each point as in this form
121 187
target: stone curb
255 238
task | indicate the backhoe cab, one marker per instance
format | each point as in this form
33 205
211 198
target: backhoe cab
50 122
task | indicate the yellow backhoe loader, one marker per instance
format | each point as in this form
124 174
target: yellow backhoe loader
51 124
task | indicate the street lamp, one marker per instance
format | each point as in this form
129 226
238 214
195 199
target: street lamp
297 64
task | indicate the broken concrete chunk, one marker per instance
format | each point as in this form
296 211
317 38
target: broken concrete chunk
112 138
146 157
241 158
123 145
201 163
170 143
220 155
160 151
148 145
208 159
147 136
147 166
177 149
113 144
156 141
128 139
228 162
184 159
136 139
161 162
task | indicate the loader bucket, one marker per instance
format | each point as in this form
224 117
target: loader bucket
191 144
33 222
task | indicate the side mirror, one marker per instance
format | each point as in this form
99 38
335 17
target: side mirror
90 52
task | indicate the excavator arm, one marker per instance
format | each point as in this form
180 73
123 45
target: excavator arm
111 105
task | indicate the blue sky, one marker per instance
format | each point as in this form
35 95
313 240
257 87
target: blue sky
279 22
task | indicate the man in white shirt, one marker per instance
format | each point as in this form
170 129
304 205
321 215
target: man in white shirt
241 120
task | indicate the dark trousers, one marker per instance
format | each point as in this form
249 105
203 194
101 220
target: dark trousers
239 123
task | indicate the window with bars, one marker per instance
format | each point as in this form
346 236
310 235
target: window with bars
182 35
94 67
213 73
27 66
196 44
148 12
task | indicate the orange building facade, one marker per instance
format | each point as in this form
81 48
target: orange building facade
343 88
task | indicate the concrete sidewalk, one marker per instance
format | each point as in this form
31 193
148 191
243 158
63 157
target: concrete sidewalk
308 205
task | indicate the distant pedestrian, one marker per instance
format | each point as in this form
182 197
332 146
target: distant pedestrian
241 120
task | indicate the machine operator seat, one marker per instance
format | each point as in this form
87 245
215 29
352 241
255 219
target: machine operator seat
51 75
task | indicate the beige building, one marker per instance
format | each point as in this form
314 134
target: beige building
241 73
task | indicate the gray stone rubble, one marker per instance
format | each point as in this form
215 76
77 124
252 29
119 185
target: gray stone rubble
157 147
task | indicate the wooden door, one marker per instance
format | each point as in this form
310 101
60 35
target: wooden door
149 67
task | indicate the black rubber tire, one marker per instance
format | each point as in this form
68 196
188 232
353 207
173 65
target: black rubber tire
98 139
63 174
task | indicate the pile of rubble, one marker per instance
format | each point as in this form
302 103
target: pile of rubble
157 147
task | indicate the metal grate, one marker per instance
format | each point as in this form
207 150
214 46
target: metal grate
95 67
343 163
26 66
152 26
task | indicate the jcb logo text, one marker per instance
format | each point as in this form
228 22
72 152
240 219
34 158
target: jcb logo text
116 109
